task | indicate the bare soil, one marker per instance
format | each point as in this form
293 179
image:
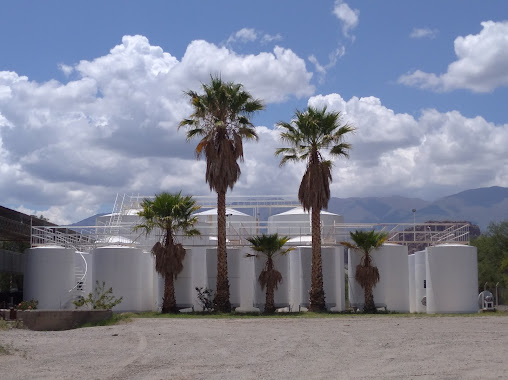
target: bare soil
357 347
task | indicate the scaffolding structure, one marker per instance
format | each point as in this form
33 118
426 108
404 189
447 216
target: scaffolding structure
120 230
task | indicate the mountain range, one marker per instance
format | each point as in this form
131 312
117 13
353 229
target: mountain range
478 206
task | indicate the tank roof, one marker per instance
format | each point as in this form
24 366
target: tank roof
300 211
213 211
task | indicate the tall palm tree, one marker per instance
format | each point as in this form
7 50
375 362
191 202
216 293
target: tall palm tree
171 215
308 134
221 120
270 246
366 273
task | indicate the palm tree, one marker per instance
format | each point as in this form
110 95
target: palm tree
270 246
308 134
171 214
366 274
221 119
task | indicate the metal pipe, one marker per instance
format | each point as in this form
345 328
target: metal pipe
497 302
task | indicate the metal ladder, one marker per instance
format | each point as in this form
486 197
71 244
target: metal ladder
80 272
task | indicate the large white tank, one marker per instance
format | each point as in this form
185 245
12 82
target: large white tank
49 276
296 222
184 291
452 279
83 267
281 263
125 270
238 227
199 276
126 217
234 256
412 293
355 291
392 289
295 280
334 275
420 282
301 277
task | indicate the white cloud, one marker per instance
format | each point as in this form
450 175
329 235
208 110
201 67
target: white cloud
66 69
73 145
332 61
271 38
481 65
424 33
348 16
433 155
243 35
246 35
67 148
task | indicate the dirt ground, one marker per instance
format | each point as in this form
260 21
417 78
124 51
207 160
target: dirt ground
358 347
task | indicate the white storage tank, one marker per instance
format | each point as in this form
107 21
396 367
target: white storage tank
420 282
238 227
297 222
334 271
199 279
49 276
355 291
281 263
301 277
233 257
412 293
125 269
392 289
127 217
184 291
452 279
83 267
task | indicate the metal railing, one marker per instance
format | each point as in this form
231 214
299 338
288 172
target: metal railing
88 237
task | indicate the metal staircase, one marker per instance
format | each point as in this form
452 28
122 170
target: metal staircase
80 271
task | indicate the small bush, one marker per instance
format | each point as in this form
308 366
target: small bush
27 305
205 298
99 299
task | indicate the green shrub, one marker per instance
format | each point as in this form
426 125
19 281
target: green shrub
99 299
27 305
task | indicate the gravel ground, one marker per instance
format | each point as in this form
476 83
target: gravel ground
358 347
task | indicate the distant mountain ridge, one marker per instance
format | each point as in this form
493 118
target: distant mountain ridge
478 206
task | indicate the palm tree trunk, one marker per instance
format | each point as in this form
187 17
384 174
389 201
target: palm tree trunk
169 300
270 290
221 300
317 294
369 306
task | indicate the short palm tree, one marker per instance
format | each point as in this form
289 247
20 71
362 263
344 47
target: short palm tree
270 246
308 134
171 215
221 120
367 274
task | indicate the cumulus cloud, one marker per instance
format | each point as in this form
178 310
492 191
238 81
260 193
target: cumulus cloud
424 33
348 16
114 129
433 155
67 148
481 65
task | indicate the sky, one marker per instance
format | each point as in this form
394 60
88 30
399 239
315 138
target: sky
91 94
